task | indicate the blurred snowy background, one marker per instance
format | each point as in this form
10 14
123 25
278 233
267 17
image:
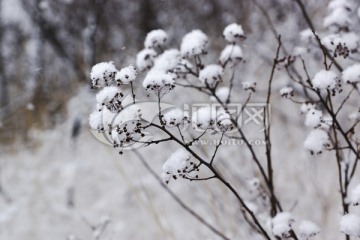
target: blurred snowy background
57 180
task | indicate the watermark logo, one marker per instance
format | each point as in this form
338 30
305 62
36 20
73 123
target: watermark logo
119 125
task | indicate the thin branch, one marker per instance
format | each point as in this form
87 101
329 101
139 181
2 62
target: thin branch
177 199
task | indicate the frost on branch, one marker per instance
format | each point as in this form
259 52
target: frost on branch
355 195
175 117
194 43
159 82
155 39
102 74
110 97
308 229
125 75
211 75
282 224
352 74
350 225
287 92
231 54
145 59
176 165
233 33
317 141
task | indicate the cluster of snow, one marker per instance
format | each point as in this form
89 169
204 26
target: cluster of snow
125 75
168 60
158 82
355 195
203 118
325 80
308 229
145 59
231 54
317 141
176 165
338 18
155 39
110 97
355 115
313 118
233 33
223 121
249 85
307 36
194 43
175 117
183 68
282 224
222 93
306 107
287 92
350 225
96 121
350 40
103 74
126 127
211 75
352 74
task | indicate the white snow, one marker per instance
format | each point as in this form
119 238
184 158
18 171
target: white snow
126 75
110 97
350 225
354 116
211 75
158 81
194 43
174 117
351 74
203 118
306 107
249 85
102 74
349 39
308 229
222 93
316 141
96 121
145 59
168 60
223 121
282 224
231 54
355 195
155 39
313 118
325 80
233 33
307 36
176 164
339 18
287 92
